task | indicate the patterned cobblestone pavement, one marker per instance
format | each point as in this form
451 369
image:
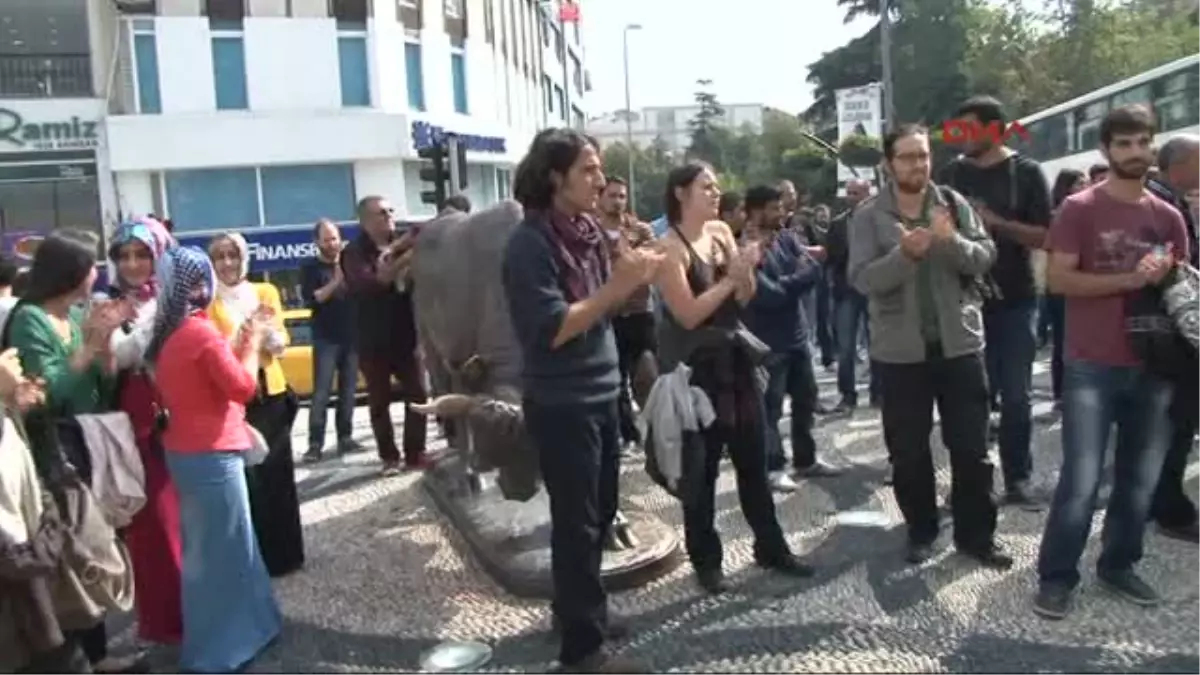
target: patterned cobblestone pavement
387 579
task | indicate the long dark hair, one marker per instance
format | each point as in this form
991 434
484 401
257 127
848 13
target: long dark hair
1066 179
681 177
60 265
552 151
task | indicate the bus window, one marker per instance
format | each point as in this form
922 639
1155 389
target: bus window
1141 94
1087 126
1050 138
1176 106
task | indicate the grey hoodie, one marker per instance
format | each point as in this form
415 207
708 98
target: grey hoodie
879 269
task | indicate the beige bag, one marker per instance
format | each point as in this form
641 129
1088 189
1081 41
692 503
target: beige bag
96 575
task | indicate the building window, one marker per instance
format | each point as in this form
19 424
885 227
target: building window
300 195
489 21
145 67
220 199
560 101
549 89
558 43
454 8
577 74
213 199
503 184
350 14
576 117
229 71
352 63
416 84
225 14
458 71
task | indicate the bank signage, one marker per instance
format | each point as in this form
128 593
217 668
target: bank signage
274 250
425 134
23 131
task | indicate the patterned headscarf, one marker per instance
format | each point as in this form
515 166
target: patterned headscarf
187 282
155 236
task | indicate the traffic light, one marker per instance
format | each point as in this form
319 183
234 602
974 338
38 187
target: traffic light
436 174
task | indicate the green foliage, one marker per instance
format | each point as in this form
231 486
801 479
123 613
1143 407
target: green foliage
860 151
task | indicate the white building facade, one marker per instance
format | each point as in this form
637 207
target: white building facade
668 123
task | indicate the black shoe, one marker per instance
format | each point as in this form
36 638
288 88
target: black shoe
312 456
602 661
349 447
1188 533
1053 601
918 552
1020 496
615 629
818 469
789 566
712 581
1129 586
991 556
844 406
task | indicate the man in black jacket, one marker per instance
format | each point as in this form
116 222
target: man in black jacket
849 306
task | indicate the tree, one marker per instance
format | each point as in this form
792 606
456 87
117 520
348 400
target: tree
709 135
651 166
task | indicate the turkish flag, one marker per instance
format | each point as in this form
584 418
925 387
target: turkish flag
568 11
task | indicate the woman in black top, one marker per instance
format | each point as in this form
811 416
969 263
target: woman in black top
560 293
705 282
1068 182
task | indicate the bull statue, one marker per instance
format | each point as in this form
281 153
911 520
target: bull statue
471 352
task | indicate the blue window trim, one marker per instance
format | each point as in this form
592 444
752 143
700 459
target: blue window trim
354 69
416 85
458 75
232 92
145 64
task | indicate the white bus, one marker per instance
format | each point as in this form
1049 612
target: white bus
1067 135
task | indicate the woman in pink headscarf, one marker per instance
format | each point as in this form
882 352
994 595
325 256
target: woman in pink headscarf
153 537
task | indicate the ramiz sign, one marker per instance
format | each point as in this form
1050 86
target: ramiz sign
972 131
59 134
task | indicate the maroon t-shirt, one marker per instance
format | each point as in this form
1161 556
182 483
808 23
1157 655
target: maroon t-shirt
1110 237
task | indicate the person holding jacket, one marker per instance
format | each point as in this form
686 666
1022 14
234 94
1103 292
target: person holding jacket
776 316
917 251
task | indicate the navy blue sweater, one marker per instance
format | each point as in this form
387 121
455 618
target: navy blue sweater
582 371
776 313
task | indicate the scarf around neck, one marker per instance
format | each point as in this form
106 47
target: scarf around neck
580 251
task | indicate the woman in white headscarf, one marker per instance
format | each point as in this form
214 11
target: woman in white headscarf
273 498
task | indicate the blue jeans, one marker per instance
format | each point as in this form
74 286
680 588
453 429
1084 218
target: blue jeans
330 358
791 374
1011 348
1094 397
851 318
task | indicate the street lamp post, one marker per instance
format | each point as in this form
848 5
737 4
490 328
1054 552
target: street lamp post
629 117
885 45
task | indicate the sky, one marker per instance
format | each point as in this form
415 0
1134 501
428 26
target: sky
756 54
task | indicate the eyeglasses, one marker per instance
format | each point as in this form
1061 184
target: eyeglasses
913 157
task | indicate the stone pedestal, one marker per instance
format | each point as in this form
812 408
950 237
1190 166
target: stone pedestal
512 539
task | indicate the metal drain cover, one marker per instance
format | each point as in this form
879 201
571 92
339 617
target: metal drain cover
456 657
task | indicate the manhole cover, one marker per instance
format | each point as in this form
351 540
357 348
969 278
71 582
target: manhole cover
456 657
863 518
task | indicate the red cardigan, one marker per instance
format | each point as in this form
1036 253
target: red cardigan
205 389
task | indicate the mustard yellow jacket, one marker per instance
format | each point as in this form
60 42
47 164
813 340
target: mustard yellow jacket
270 367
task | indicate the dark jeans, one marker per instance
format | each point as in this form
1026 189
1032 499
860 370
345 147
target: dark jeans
959 388
746 445
851 313
1054 309
823 323
1171 506
578 445
790 374
635 335
1094 397
330 359
1011 348
378 369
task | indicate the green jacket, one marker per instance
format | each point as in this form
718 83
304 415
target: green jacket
879 270
44 354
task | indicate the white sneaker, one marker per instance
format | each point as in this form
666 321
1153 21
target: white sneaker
780 481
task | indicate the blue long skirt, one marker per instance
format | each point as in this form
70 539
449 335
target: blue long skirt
229 610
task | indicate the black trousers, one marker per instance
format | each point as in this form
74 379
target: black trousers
958 386
746 443
635 334
1171 506
93 642
579 447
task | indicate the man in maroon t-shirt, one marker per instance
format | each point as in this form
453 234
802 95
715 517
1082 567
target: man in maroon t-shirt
1108 243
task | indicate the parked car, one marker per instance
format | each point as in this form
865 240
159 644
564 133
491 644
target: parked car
297 359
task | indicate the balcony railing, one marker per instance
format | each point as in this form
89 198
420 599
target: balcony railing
45 76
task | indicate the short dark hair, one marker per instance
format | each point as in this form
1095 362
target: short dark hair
1066 179
681 177
8 271
986 109
459 203
361 209
1127 119
759 196
898 132
730 201
20 283
615 180
320 223
553 150
1096 170
60 265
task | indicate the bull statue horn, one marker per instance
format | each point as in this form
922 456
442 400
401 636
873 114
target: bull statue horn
448 405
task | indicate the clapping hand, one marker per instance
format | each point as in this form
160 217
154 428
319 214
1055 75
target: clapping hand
636 267
24 393
1154 266
915 242
942 224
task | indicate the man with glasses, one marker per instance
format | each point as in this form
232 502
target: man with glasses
375 266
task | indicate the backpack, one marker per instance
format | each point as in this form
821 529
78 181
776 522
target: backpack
983 285
987 282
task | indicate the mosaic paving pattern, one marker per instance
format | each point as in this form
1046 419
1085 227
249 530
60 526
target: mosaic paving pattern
387 579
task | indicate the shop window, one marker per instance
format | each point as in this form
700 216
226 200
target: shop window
416 83
145 58
458 70
352 62
302 195
229 72
212 199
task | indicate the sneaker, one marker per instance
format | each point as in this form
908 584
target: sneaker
615 629
1019 495
349 447
818 469
781 482
1129 585
992 557
1053 601
312 456
419 464
844 406
712 581
603 661
788 566
390 469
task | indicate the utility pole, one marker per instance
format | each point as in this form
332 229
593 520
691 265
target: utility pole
629 119
885 45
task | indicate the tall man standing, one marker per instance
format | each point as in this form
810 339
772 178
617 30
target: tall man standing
849 306
373 265
323 287
910 250
1010 195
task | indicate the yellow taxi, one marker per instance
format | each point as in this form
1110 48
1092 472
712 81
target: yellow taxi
297 360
